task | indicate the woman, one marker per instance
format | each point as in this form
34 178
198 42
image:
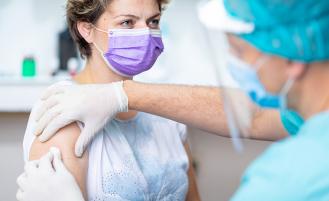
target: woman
137 156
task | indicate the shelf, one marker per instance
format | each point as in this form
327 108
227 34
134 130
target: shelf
19 95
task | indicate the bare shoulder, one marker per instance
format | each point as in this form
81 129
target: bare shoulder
65 140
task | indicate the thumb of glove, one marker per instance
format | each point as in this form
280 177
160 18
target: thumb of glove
57 159
85 138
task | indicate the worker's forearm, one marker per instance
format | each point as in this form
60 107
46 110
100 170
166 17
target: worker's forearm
198 107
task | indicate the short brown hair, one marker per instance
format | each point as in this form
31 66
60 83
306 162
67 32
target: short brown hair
87 11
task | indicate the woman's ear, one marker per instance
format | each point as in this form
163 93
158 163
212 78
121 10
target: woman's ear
296 70
85 29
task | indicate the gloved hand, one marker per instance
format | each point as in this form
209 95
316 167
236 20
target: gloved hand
93 105
48 179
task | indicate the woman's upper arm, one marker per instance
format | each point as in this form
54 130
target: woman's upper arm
193 192
65 140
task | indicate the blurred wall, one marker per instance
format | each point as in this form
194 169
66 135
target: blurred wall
219 166
29 27
12 127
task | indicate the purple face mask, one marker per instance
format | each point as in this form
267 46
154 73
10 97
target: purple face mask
132 51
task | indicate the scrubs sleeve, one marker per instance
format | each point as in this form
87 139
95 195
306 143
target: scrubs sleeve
270 178
291 122
294 169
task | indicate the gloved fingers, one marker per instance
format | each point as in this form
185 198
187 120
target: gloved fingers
122 97
46 118
31 167
84 140
53 90
54 126
57 163
46 105
45 163
22 181
19 195
56 153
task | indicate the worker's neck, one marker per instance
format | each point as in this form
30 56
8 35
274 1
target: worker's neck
96 71
312 96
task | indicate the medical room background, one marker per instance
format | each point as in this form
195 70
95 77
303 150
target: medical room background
36 51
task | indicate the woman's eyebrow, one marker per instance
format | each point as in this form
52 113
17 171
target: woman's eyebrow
154 16
136 17
127 15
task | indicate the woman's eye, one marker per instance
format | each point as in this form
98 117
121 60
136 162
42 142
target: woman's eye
154 23
127 23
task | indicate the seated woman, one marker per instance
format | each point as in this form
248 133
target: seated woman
137 156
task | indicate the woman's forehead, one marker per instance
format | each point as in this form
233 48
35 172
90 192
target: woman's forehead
134 7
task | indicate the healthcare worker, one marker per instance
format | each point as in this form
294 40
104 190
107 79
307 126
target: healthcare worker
280 58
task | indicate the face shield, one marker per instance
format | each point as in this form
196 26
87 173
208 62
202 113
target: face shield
239 108
298 36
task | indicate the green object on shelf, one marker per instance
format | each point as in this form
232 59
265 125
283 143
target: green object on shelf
29 67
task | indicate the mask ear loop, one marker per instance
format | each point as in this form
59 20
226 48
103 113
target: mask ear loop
103 57
285 89
260 62
97 47
100 51
100 30
284 93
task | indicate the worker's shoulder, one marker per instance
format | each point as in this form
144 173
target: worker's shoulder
311 143
286 170
296 161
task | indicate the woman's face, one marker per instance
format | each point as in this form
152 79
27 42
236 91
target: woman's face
274 72
126 14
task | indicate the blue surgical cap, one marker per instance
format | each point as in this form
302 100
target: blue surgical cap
297 30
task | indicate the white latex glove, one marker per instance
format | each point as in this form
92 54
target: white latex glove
93 105
48 180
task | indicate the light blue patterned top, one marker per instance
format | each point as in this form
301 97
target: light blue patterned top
139 160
